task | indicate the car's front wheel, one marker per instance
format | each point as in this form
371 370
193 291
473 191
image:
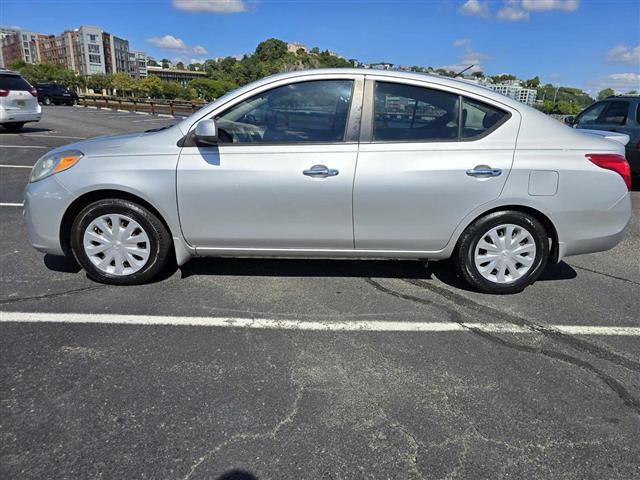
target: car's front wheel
120 242
502 252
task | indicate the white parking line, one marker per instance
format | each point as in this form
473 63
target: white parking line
22 146
11 204
16 166
329 326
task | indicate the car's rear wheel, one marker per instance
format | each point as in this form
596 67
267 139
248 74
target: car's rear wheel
46 100
13 127
120 242
502 252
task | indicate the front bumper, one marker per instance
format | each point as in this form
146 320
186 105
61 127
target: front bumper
45 203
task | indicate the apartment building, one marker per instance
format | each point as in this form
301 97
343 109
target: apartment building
513 89
138 64
59 49
293 47
19 45
116 53
90 50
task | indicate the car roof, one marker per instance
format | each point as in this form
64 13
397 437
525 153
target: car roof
4 71
621 97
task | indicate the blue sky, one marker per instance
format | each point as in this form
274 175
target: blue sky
589 44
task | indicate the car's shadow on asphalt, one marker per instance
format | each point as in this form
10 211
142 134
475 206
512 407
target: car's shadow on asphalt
26 130
272 267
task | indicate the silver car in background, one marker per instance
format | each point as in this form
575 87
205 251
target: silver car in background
338 163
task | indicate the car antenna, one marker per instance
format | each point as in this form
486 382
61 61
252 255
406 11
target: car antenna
461 72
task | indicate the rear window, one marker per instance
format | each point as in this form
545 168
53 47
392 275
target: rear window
616 114
13 82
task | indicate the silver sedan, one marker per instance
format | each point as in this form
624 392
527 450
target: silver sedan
338 163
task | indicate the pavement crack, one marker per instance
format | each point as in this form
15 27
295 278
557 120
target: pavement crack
575 343
271 434
618 388
9 301
615 277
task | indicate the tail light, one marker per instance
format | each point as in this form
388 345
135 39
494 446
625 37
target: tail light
4 93
34 92
614 162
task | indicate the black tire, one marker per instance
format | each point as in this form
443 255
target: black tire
13 127
160 242
46 100
463 256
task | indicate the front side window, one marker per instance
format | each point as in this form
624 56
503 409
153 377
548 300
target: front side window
406 112
314 111
591 114
616 114
479 118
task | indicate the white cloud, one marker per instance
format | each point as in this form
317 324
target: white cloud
620 82
461 41
624 54
545 5
171 43
512 13
469 57
475 7
211 6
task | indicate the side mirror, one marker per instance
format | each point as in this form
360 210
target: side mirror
570 120
206 132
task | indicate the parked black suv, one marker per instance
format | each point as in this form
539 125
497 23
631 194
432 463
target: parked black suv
618 113
49 93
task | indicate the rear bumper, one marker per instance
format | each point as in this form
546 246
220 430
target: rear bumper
44 205
18 116
607 229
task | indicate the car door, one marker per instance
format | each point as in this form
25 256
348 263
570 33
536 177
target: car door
281 175
428 157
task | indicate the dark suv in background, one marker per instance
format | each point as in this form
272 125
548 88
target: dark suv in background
620 113
49 93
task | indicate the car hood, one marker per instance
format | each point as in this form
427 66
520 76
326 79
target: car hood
151 142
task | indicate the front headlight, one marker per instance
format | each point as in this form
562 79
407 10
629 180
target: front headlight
54 163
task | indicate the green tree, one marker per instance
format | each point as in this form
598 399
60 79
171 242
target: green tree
180 66
165 63
270 50
150 87
172 90
99 82
607 92
152 63
122 83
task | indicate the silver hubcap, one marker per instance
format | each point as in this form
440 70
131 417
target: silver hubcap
505 253
116 244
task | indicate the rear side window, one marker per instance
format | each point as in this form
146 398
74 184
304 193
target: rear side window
591 114
616 114
14 82
638 113
406 112
479 118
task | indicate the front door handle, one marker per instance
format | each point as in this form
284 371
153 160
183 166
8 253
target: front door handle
320 171
484 171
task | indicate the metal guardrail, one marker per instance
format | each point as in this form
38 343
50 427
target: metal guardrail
142 105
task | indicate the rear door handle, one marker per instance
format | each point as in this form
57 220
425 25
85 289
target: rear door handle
484 171
320 171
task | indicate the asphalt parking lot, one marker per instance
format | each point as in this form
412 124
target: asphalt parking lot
348 376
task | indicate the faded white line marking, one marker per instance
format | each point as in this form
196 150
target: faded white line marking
277 324
22 146
16 166
11 204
